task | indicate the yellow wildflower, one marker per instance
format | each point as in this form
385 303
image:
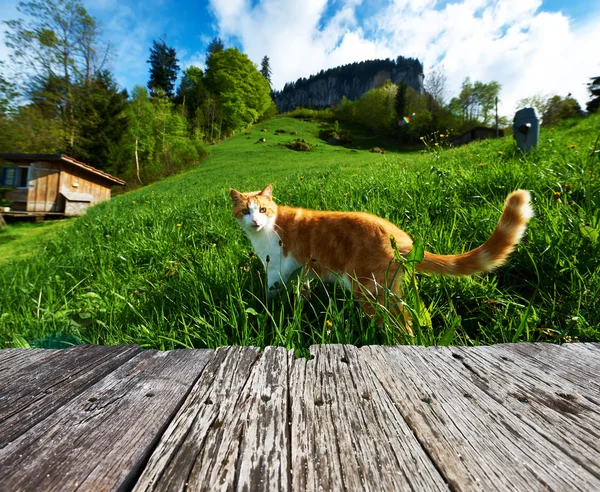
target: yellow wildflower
329 324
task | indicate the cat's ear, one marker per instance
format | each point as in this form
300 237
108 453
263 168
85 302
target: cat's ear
236 196
268 192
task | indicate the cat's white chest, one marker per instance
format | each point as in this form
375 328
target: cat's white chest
267 246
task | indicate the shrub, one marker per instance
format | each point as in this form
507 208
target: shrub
300 145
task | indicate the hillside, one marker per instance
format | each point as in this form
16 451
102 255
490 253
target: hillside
166 266
351 81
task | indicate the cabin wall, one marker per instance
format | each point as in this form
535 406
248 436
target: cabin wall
79 181
43 187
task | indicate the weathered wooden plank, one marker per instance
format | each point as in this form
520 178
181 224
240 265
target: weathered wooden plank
551 406
231 432
48 380
13 361
475 442
101 439
579 364
346 433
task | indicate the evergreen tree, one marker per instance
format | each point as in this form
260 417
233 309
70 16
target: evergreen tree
265 70
594 88
163 69
191 91
400 101
214 46
101 122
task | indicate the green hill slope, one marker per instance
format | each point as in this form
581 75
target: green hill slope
167 266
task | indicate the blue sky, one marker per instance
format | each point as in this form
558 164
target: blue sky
529 46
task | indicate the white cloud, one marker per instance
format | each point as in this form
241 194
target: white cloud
514 42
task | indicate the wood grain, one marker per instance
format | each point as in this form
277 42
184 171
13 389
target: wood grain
554 408
346 432
231 433
476 441
36 383
505 417
101 439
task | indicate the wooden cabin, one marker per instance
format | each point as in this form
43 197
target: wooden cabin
53 184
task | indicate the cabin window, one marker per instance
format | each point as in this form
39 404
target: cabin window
22 177
15 176
9 174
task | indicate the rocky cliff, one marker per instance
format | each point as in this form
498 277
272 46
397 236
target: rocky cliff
352 81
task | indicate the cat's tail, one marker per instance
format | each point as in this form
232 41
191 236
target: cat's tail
507 234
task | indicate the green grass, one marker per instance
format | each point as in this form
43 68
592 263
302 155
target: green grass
167 266
22 240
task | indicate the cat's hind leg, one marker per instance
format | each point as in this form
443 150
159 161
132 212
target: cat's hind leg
382 302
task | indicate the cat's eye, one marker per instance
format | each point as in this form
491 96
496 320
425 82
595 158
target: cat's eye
246 211
263 210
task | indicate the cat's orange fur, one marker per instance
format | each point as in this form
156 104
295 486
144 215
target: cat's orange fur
356 247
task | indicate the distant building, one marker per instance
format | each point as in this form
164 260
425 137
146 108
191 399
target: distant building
476 133
52 184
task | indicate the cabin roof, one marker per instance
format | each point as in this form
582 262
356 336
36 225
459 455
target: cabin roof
64 158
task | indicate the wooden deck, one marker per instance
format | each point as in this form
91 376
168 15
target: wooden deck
506 417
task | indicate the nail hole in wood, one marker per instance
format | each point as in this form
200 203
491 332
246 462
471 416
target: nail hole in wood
265 398
319 401
458 356
208 401
426 400
92 399
345 360
150 394
467 395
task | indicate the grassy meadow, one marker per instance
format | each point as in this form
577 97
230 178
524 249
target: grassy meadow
167 266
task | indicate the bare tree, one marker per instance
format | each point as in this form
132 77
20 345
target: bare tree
435 84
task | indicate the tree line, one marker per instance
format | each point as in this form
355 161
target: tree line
67 100
399 111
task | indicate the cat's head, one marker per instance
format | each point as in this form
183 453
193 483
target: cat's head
255 211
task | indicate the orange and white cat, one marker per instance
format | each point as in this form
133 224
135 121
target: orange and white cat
354 248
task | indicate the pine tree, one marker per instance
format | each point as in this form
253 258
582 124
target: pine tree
265 70
594 88
101 121
163 69
215 46
400 101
